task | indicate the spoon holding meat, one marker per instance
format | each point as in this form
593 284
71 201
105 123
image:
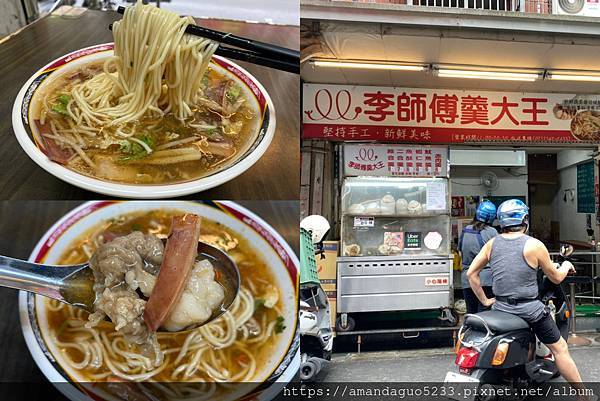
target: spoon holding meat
139 282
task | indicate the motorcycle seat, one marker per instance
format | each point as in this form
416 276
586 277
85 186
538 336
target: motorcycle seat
498 322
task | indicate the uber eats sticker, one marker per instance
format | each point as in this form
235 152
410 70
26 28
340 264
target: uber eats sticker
412 240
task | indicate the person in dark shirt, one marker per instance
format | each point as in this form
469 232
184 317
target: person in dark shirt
472 239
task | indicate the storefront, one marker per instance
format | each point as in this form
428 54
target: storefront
401 171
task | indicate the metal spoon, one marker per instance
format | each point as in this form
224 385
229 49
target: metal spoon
73 284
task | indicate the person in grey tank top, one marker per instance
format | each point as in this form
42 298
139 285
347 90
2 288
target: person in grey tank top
514 279
514 259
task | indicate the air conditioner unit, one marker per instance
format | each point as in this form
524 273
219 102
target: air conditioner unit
588 8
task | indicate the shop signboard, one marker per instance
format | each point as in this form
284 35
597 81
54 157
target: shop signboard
442 116
365 159
586 199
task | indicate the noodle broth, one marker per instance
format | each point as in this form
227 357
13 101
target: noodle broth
233 348
153 149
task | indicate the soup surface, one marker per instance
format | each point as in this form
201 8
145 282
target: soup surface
232 348
157 148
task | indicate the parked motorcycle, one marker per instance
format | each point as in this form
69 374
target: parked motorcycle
316 336
498 353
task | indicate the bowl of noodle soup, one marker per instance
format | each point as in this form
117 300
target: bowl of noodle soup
255 344
152 119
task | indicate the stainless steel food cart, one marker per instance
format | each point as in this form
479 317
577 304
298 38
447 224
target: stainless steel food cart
395 231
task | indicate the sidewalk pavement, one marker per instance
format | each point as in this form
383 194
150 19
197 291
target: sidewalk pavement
431 364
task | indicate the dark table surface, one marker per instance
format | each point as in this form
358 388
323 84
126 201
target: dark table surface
22 224
275 176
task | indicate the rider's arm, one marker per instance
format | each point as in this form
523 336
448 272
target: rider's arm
548 267
480 261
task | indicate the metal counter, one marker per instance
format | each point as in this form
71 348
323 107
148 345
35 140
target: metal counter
379 284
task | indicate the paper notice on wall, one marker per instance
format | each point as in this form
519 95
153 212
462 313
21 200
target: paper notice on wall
436 195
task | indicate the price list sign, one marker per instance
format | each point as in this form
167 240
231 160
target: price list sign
395 160
586 198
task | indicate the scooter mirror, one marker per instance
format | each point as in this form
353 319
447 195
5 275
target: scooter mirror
566 250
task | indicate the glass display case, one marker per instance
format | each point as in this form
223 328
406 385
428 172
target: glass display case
395 231
392 216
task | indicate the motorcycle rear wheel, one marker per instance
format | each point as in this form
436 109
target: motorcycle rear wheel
308 371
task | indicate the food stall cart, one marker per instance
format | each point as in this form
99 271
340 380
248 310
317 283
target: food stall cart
395 231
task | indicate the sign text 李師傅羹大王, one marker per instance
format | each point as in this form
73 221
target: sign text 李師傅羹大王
441 116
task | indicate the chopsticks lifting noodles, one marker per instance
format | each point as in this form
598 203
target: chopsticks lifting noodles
250 50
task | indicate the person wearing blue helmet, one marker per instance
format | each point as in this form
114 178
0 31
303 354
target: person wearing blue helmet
472 239
514 259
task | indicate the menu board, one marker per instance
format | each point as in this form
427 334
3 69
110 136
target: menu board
368 159
586 199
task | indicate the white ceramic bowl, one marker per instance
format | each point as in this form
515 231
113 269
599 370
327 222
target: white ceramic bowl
26 131
284 361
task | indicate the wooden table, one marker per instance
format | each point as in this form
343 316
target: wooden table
275 176
21 225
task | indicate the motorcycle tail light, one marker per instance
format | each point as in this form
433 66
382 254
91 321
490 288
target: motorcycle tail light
500 354
567 314
466 358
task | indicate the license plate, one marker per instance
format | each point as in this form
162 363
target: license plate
463 387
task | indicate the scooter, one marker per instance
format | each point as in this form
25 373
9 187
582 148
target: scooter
497 353
316 336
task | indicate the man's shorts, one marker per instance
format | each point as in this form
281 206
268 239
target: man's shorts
546 329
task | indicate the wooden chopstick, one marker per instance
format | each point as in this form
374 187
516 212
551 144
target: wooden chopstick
255 58
263 48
